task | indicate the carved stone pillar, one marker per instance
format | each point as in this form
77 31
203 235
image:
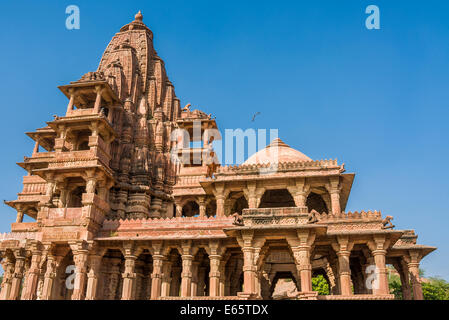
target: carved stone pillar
8 267
301 248
202 205
343 249
93 277
335 201
378 249
334 189
214 275
17 275
249 266
220 196
402 269
49 278
50 189
20 213
63 195
71 101
252 196
186 275
379 260
156 276
302 259
32 276
80 259
167 286
220 200
194 286
405 281
299 192
413 261
178 210
98 91
129 278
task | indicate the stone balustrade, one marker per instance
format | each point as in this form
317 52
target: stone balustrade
17 236
170 228
280 166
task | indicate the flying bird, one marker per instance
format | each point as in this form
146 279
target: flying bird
254 116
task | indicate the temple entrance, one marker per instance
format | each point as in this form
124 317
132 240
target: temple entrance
277 199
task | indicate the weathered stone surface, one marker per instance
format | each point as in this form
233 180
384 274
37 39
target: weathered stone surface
140 216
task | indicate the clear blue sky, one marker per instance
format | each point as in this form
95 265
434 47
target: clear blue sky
375 99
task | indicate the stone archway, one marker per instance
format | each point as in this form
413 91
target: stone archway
211 208
64 281
277 198
191 209
283 286
111 281
143 270
316 202
277 262
239 205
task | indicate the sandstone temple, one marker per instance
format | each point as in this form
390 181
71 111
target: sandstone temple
103 194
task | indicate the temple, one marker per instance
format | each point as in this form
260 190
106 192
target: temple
110 193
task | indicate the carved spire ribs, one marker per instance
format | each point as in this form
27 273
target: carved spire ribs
141 159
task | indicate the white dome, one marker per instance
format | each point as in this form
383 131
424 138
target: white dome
277 151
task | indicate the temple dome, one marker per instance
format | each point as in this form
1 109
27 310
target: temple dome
277 151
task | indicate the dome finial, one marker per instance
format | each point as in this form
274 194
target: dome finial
138 16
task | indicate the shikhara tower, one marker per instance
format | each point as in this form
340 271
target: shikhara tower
107 197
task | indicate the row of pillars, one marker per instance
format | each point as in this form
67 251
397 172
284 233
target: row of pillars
161 281
253 195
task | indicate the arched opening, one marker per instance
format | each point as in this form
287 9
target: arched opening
211 208
283 286
143 270
277 199
65 279
239 205
315 202
320 282
233 272
190 209
76 196
84 145
200 272
110 282
175 265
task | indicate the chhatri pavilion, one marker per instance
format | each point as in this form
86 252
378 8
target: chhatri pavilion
105 195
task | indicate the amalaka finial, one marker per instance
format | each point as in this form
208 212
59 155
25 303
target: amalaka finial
138 16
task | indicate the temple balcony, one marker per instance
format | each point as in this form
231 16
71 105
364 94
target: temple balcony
97 154
93 207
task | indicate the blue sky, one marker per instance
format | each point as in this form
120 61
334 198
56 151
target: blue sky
375 99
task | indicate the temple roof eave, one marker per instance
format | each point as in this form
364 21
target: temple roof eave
109 92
